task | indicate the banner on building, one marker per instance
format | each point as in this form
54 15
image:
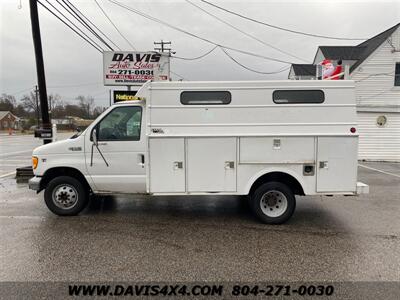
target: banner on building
134 68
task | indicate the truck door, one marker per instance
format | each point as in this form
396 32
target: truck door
121 141
337 164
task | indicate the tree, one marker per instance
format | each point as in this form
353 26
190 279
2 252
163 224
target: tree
86 104
30 104
97 111
58 112
54 101
20 111
7 102
72 110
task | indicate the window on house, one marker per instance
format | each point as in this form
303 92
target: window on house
298 96
397 75
205 98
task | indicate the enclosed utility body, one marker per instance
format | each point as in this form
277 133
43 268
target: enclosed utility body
270 140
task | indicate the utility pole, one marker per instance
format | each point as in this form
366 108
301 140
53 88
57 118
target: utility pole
163 49
37 106
37 43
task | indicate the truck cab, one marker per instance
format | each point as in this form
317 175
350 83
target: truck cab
270 141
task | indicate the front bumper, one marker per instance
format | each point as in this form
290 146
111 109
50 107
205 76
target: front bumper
34 183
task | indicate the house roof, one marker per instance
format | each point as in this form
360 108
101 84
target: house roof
342 52
359 52
371 44
4 113
304 69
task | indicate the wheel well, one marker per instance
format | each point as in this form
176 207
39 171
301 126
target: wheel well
63 171
285 178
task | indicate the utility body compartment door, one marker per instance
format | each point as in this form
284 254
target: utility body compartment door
192 165
337 164
211 164
167 165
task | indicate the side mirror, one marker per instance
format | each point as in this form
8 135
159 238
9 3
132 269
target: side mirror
94 136
78 129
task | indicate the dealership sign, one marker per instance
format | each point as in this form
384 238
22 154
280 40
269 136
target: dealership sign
134 68
124 96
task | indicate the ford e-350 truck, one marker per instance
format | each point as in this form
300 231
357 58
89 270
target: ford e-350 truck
270 140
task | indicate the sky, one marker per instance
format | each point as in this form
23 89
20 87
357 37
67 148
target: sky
75 68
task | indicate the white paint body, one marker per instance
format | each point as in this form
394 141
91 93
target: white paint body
222 149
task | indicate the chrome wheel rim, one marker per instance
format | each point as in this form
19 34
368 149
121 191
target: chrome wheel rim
65 196
273 203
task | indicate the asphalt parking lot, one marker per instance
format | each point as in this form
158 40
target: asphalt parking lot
139 238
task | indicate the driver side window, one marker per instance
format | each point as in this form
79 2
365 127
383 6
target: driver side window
121 124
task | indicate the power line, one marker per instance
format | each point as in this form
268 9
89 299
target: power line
281 28
198 57
252 70
180 76
76 27
81 18
113 24
21 91
98 49
256 55
77 17
244 32
194 35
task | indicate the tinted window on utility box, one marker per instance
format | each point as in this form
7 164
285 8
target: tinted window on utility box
205 97
298 96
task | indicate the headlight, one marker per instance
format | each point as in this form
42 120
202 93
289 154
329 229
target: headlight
35 162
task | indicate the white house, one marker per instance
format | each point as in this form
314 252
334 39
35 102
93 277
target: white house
303 72
375 68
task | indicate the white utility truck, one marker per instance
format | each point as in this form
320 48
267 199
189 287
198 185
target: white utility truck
270 140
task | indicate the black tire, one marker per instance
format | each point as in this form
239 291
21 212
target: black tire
62 186
264 207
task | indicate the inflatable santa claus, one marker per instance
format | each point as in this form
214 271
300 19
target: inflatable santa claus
329 71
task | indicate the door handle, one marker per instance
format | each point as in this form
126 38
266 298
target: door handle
141 160
229 165
323 164
178 165
102 144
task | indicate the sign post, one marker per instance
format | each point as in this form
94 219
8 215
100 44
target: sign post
37 43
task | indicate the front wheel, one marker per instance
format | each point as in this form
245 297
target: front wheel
273 203
65 196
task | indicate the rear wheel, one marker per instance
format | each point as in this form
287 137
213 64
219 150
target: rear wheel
273 203
65 196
